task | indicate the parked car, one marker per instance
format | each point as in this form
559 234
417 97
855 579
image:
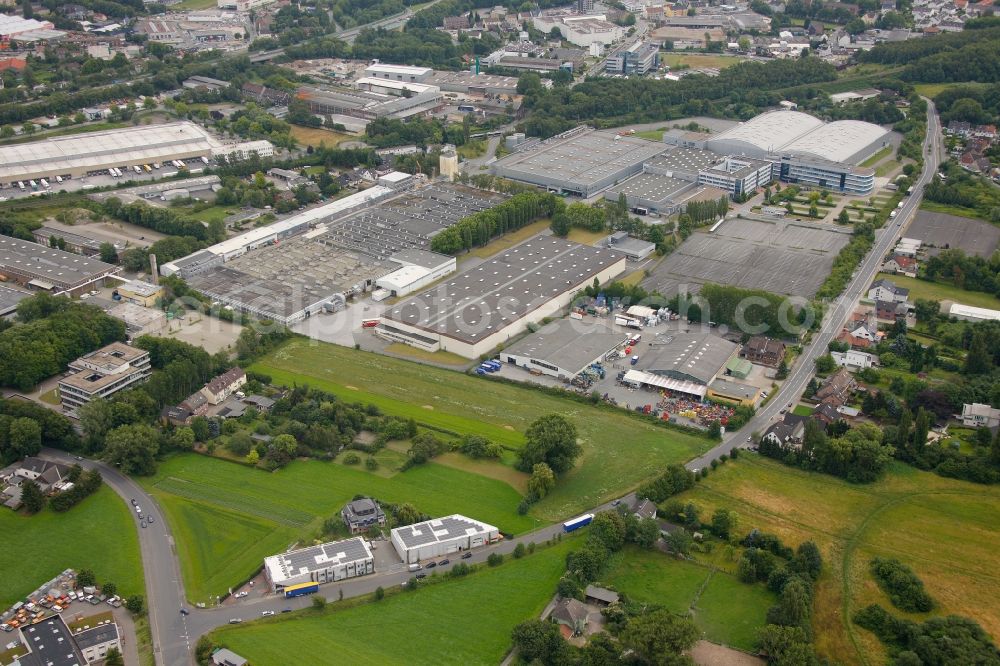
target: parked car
149 519
466 556
419 576
267 613
143 523
184 611
236 620
430 565
444 562
286 610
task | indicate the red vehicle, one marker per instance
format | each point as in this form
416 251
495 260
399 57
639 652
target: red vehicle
369 323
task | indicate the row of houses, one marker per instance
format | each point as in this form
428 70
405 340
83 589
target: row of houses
51 477
213 393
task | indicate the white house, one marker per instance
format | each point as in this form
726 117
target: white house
885 290
223 386
977 415
853 360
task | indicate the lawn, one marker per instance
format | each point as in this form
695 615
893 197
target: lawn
802 410
465 621
728 611
947 209
227 517
586 237
944 529
50 397
620 451
214 213
877 157
652 135
98 534
695 60
886 168
932 90
313 136
443 357
940 291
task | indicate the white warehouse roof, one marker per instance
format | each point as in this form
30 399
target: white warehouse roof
769 132
149 143
970 312
379 68
837 141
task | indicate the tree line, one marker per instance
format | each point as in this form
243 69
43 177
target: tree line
859 455
163 220
478 228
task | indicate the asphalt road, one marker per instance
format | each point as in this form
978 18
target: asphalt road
173 643
837 311
174 634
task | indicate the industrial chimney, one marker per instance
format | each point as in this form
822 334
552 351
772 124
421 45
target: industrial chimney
153 270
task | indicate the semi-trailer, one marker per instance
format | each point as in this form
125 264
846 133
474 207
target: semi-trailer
578 522
301 589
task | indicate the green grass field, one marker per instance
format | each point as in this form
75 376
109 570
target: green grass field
942 528
465 621
877 157
619 450
652 135
947 209
726 610
227 517
696 60
939 291
98 534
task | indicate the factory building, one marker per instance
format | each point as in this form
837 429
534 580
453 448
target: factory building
404 73
683 363
565 348
488 305
417 269
582 161
367 105
640 58
41 268
441 536
102 373
324 563
737 175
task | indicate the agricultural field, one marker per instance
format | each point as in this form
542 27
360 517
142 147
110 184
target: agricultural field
620 451
227 517
463 621
98 534
944 529
726 610
940 291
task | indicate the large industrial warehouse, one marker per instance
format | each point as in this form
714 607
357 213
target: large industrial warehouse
481 308
441 536
582 161
324 563
42 268
683 362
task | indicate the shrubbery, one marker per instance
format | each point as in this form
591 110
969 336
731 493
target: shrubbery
905 589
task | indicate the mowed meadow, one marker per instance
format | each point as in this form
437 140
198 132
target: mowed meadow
619 450
945 530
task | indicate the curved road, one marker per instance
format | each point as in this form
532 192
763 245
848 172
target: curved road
838 311
174 634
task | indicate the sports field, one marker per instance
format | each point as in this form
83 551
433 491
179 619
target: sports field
464 621
98 534
944 529
619 450
227 517
727 611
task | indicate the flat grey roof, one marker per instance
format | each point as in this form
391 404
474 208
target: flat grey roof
9 298
695 357
422 258
650 187
632 246
62 269
323 556
569 344
585 158
684 159
70 237
51 641
479 302
96 635
734 389
440 529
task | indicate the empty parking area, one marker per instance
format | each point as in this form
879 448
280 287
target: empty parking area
782 257
951 231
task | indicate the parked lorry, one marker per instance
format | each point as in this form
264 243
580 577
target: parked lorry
301 589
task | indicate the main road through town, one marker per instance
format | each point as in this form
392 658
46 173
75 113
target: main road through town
837 311
174 634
